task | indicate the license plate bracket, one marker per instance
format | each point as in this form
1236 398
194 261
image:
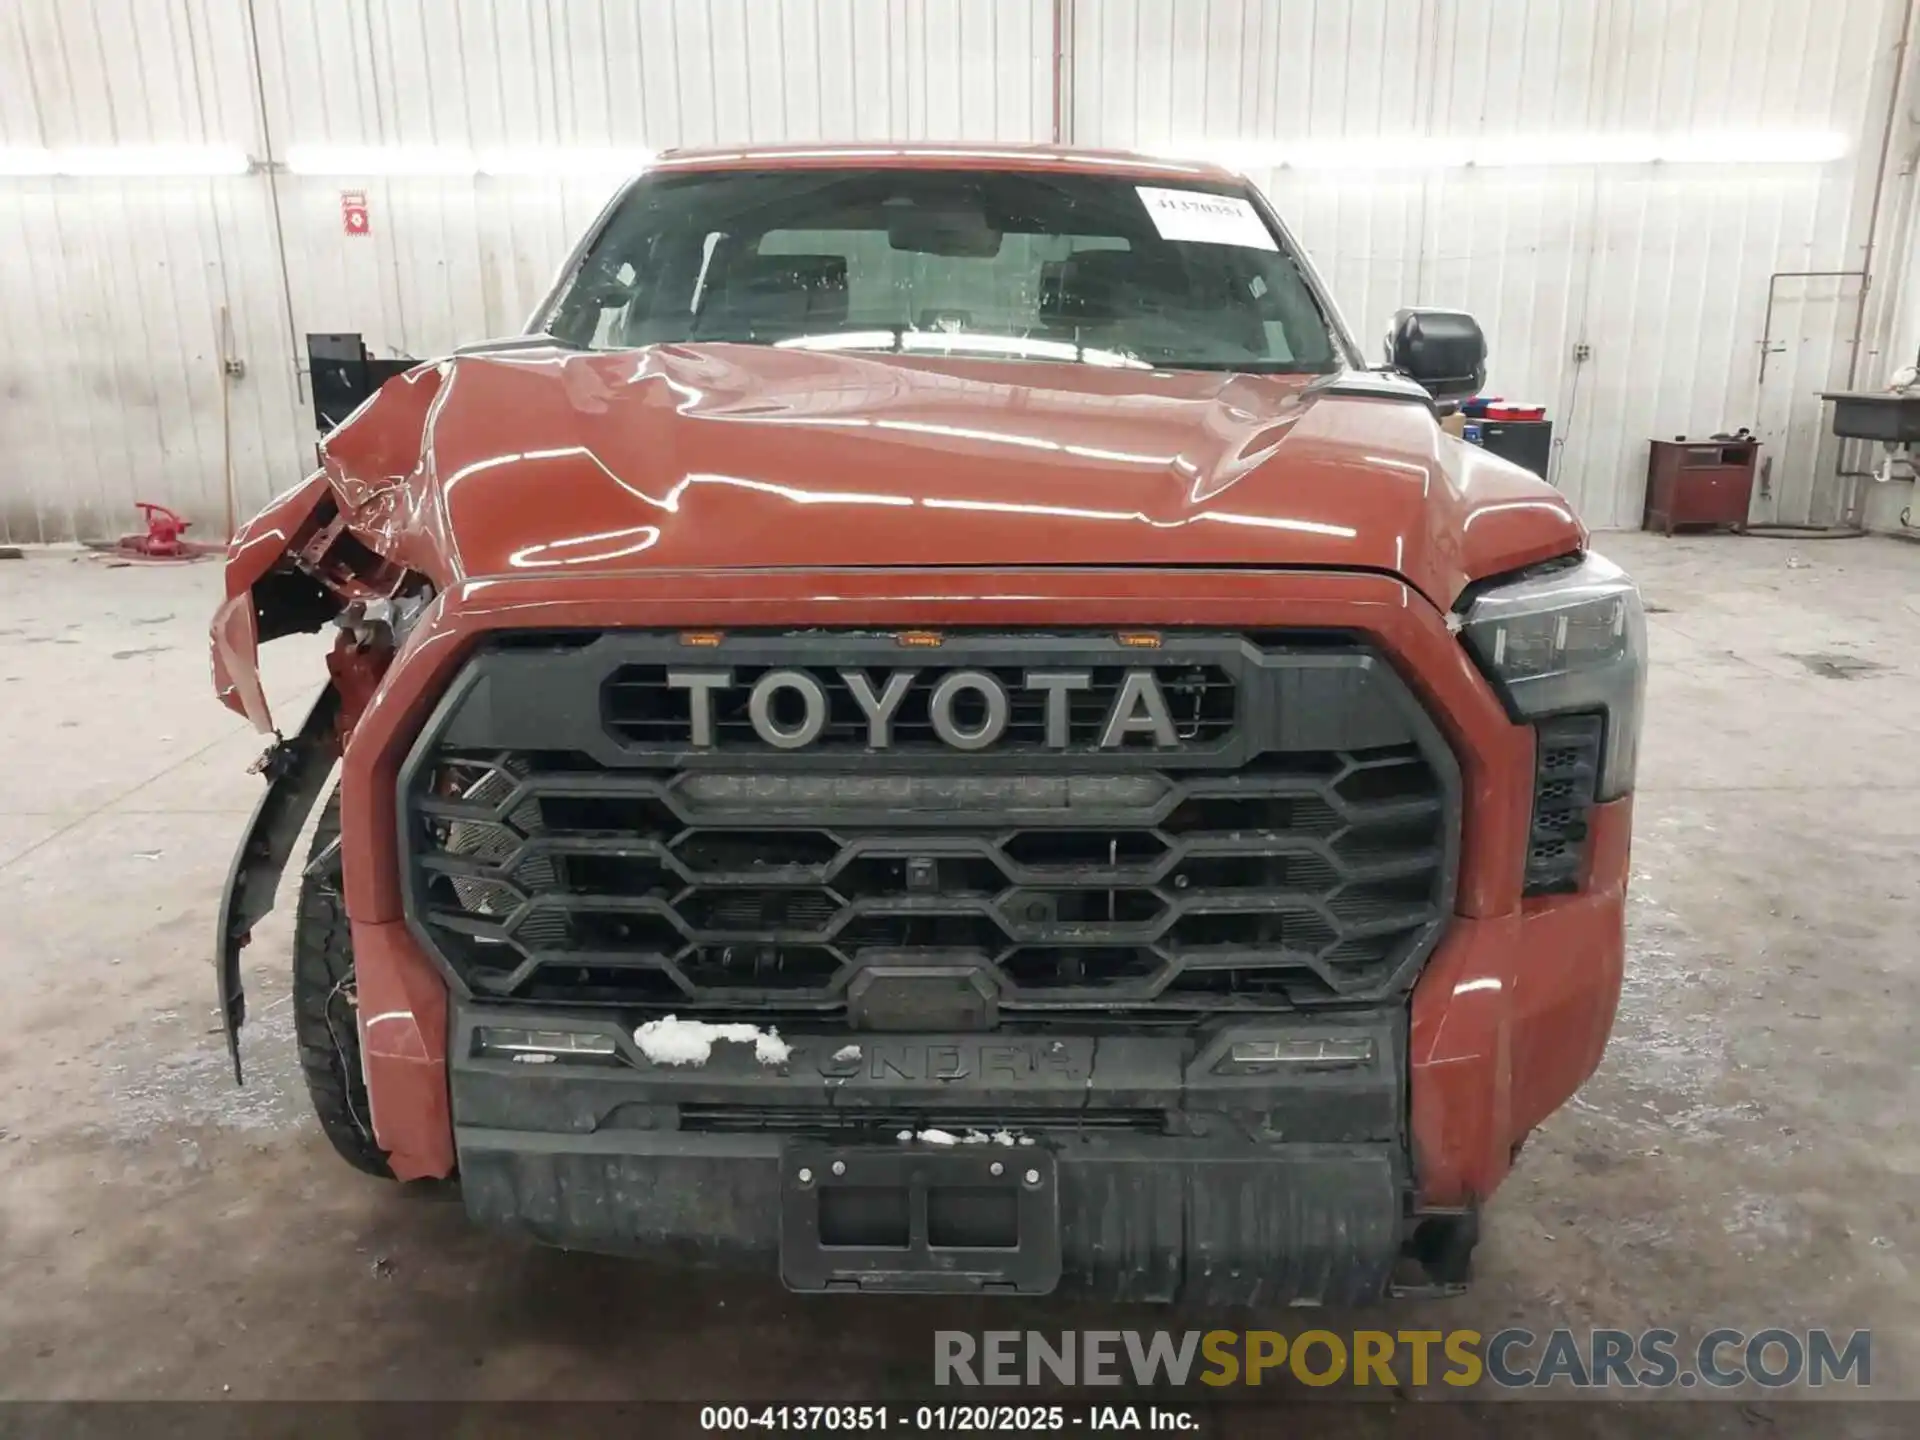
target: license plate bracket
919 1219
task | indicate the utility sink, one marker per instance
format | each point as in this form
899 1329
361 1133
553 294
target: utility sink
1875 415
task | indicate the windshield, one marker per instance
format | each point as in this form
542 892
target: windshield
1091 268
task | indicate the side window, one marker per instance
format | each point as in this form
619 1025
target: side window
710 245
612 318
1279 347
1296 331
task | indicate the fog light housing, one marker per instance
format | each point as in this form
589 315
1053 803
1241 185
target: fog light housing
507 1043
1297 1052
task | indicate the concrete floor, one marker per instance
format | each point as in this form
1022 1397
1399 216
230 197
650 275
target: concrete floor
1746 1156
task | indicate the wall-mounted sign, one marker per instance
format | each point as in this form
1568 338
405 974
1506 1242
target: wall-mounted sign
353 212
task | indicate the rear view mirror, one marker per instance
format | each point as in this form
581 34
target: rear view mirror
950 234
1443 350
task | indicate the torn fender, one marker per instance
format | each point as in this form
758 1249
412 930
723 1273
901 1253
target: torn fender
256 549
348 532
296 771
236 661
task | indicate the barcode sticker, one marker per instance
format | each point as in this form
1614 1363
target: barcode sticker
1195 215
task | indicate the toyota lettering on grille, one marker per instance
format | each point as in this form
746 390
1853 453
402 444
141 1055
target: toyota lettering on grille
1139 706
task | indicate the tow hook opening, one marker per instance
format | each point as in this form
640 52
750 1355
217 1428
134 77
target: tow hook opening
1436 1258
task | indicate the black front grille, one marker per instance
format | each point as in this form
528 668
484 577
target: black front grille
1566 771
1245 869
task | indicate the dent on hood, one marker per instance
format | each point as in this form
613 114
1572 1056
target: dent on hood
717 457
728 456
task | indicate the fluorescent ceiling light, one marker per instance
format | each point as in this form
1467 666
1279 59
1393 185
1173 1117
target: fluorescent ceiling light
452 161
1732 147
27 162
377 160
1762 147
127 161
566 162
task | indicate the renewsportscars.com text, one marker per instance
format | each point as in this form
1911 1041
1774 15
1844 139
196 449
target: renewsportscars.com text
1511 1359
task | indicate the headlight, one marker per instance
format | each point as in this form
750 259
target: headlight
1568 640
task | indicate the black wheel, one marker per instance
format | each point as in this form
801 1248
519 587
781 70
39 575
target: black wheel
325 1018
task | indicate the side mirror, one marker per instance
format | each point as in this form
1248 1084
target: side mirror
1443 350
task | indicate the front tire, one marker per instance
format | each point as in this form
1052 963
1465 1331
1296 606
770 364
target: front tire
325 1008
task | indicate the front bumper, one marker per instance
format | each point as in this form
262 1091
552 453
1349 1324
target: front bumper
1211 1222
1508 1017
1157 1169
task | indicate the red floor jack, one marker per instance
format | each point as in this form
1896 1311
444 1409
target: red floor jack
164 538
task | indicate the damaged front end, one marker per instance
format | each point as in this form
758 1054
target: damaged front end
312 558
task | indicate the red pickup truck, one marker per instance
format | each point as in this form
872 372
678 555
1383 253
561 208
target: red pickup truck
933 726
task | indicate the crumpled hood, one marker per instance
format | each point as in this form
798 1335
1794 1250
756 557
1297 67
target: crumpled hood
521 462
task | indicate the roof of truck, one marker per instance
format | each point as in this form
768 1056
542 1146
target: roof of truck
941 156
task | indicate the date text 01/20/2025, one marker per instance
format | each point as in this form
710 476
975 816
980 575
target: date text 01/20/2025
945 1419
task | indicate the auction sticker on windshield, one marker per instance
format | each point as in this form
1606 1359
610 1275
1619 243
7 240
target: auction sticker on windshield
1194 215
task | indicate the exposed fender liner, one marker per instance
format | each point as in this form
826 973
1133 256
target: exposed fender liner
296 772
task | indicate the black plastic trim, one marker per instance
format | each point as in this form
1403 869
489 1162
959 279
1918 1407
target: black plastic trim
296 772
1567 751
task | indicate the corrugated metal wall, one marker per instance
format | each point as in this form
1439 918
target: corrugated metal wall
110 296
1663 274
453 261
110 383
